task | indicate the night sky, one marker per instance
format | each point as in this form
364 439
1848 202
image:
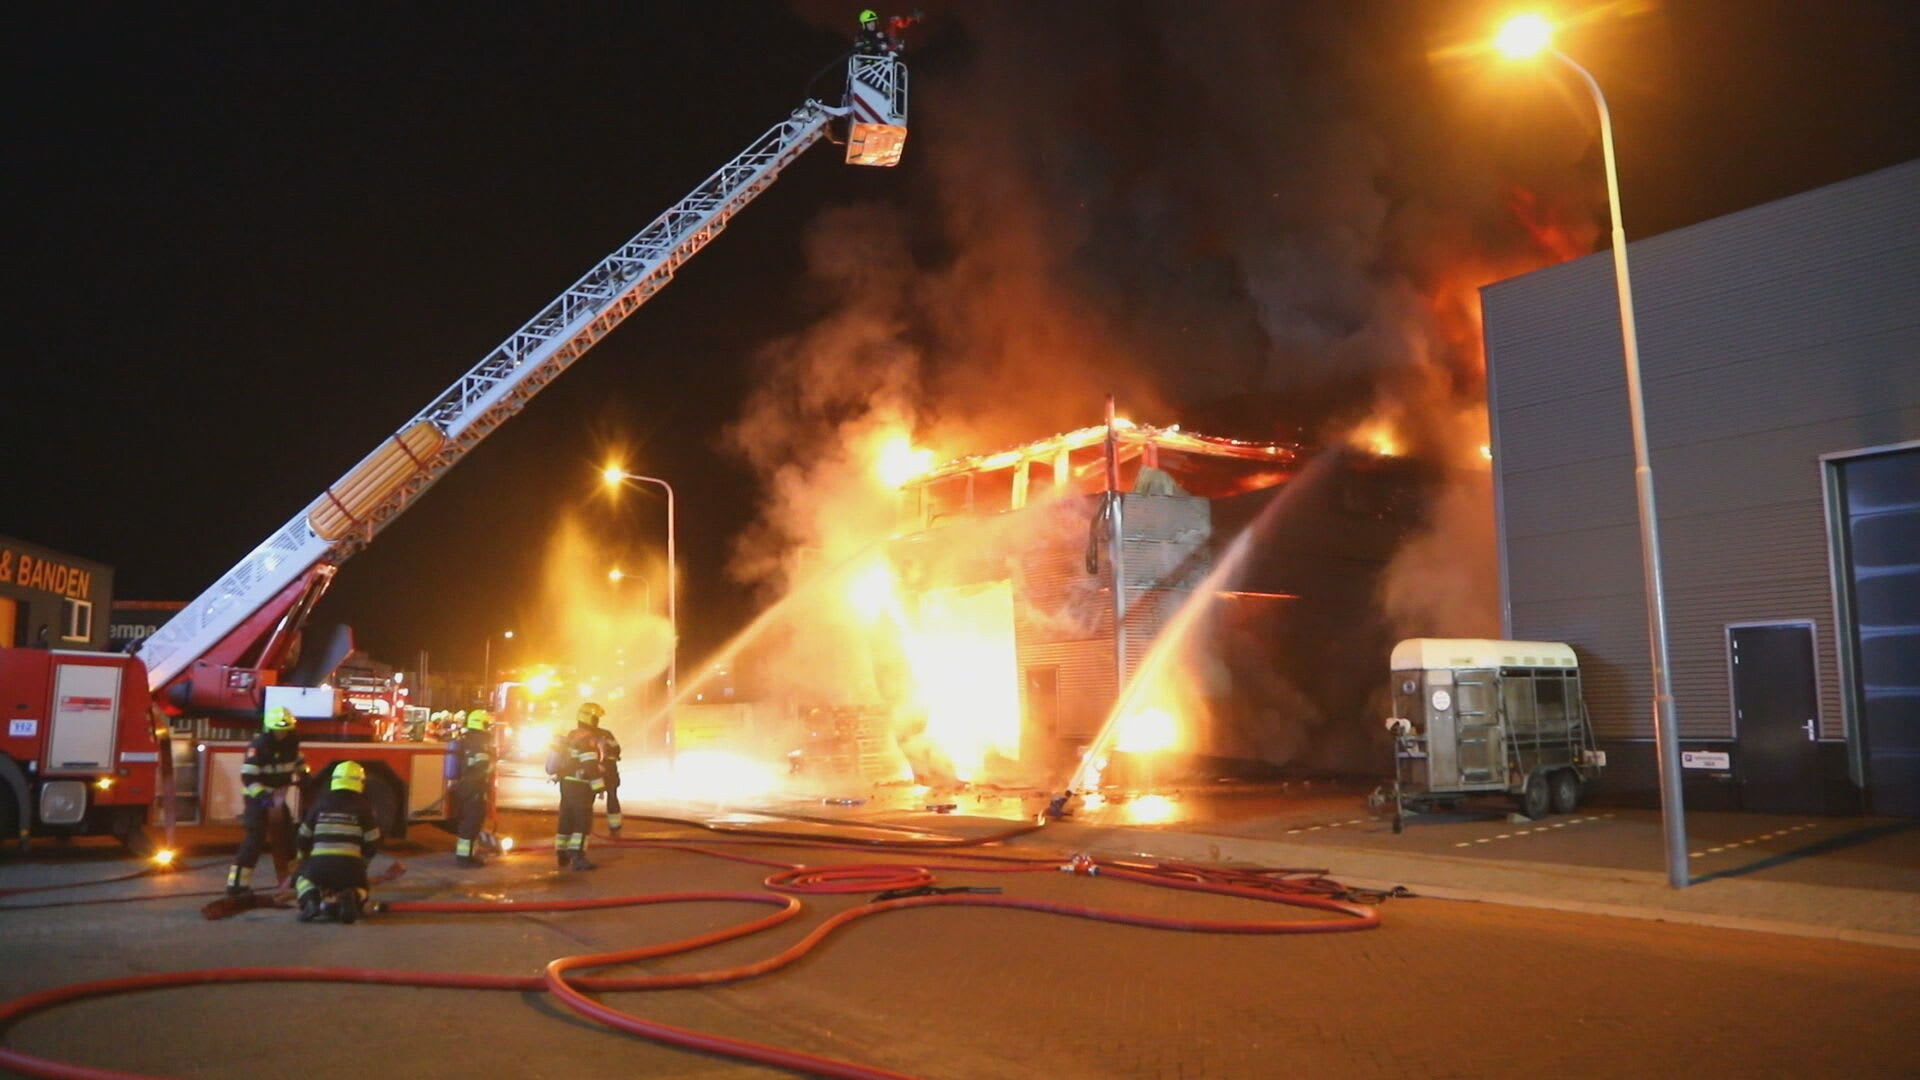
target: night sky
250 242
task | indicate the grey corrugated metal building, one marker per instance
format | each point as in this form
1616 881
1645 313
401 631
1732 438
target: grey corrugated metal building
1781 367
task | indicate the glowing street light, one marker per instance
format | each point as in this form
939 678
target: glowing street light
616 575
614 476
1526 36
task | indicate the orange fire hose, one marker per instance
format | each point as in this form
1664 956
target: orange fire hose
789 878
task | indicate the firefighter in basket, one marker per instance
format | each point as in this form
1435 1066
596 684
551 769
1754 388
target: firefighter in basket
337 839
876 39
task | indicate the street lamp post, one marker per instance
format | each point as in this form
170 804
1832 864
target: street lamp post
486 664
615 476
1530 35
616 576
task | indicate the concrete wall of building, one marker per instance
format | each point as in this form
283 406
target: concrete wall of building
1769 338
51 598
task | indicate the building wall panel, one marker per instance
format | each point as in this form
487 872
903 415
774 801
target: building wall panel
1768 338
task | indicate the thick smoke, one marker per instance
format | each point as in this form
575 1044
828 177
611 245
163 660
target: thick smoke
606 639
1259 221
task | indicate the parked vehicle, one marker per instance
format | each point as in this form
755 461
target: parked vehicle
1475 716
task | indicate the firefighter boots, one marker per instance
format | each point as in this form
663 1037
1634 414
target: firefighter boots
310 906
580 863
468 862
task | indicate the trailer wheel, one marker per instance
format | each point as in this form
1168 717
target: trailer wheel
1536 799
1564 789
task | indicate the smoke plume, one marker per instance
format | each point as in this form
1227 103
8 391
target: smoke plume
1258 221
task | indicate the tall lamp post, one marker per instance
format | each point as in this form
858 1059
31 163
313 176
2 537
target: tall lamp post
486 666
614 476
614 577
1526 36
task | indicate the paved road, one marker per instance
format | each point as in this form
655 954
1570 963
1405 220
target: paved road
1443 990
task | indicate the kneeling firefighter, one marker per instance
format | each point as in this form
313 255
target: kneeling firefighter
470 791
574 762
337 839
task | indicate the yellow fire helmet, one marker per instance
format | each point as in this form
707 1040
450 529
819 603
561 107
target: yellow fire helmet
278 718
478 719
590 714
869 16
349 776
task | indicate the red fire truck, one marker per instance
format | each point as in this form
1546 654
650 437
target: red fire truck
92 739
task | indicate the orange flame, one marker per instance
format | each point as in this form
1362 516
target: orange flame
897 461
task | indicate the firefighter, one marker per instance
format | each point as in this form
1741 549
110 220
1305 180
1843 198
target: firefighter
273 764
476 781
574 762
878 40
337 838
872 40
609 765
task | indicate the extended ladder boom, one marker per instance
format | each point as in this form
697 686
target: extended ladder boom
348 514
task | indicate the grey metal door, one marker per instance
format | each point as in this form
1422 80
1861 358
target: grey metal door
1483 750
1776 717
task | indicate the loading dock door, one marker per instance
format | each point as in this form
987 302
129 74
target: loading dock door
1879 546
1776 717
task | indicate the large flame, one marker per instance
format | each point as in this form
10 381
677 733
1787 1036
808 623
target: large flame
896 460
961 669
961 652
1377 436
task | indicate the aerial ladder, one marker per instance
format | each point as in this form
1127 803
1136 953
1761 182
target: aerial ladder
218 658
211 654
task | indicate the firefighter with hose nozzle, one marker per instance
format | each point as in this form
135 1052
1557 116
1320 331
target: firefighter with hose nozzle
573 761
273 764
337 839
609 764
475 754
880 40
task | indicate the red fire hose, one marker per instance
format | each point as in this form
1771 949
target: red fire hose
572 990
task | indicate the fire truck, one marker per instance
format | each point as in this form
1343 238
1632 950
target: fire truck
93 739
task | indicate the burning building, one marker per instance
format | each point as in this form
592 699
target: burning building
1029 589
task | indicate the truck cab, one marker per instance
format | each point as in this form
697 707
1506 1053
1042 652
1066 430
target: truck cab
81 751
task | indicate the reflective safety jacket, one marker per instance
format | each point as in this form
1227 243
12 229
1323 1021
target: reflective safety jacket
575 756
609 747
475 749
273 760
340 823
